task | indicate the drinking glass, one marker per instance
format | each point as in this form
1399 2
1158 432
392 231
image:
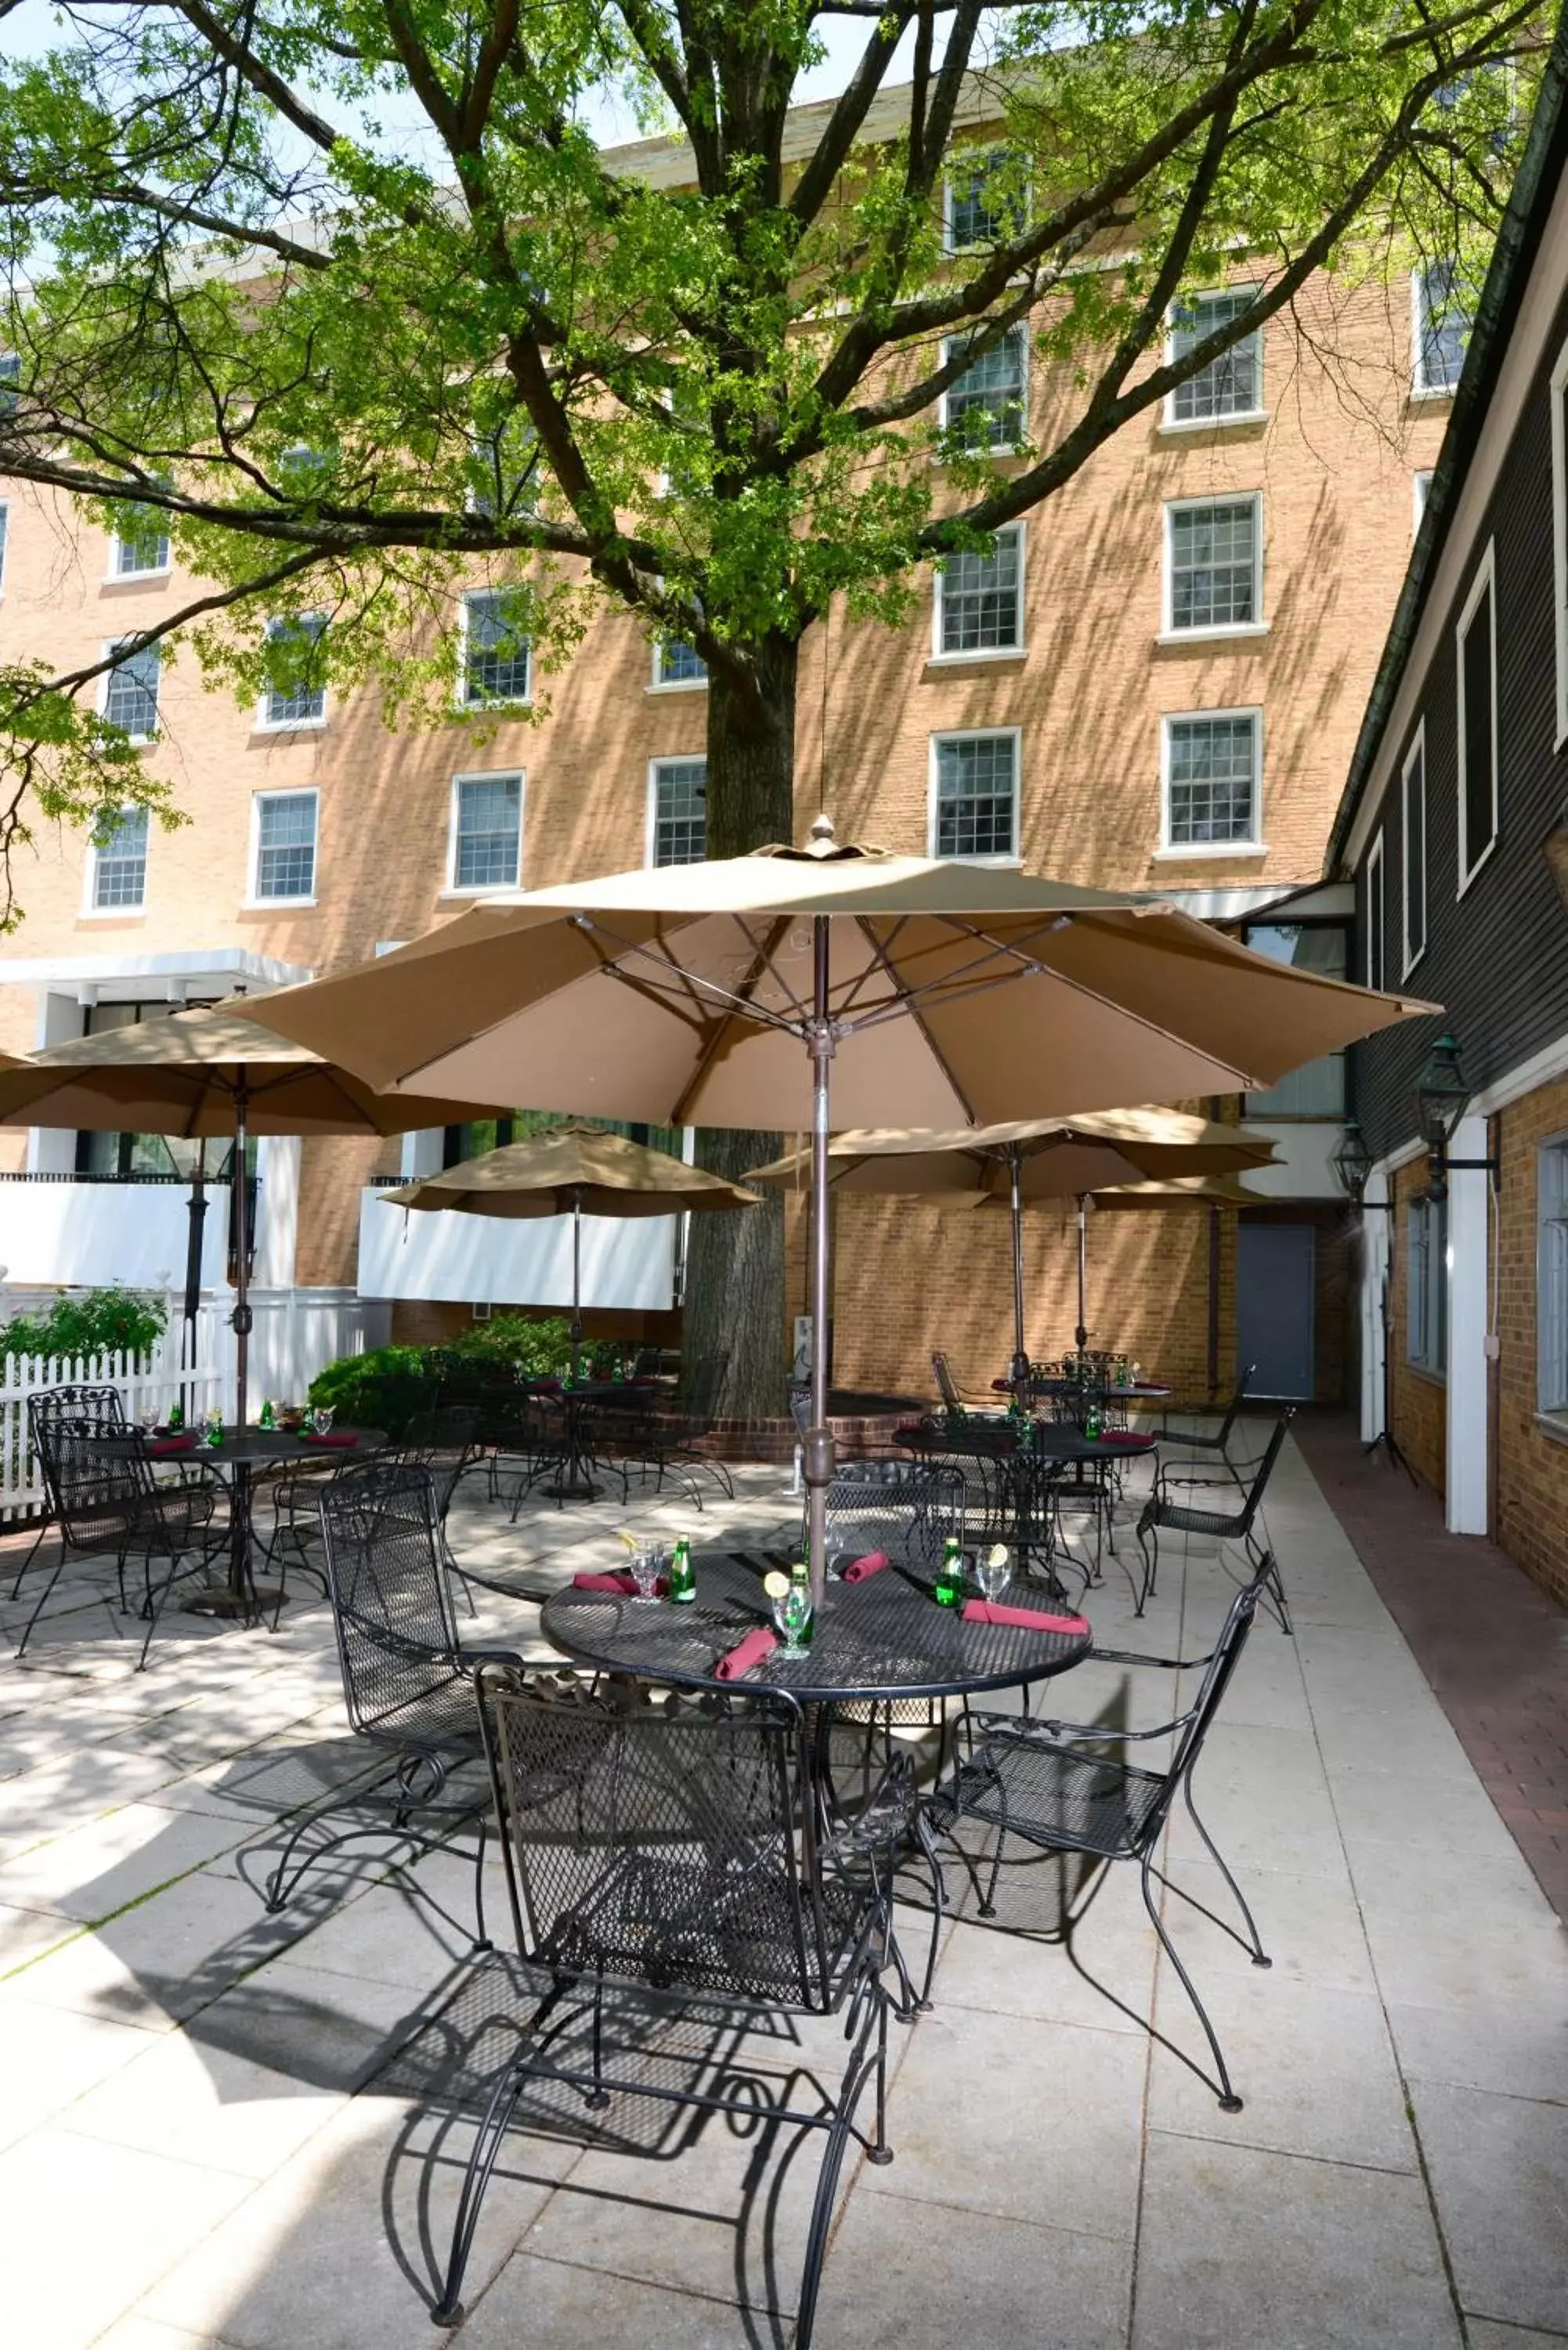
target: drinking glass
792 1614
993 1579
147 1419
646 1566
321 1418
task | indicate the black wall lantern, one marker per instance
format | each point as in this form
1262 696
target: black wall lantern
1352 1162
1442 1098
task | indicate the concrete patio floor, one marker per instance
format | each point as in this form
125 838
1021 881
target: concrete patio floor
217 2130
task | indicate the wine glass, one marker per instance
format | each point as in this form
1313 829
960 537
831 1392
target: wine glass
321 1419
792 1614
992 1571
147 1419
646 1566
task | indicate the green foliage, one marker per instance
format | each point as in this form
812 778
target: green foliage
385 1387
102 1322
353 368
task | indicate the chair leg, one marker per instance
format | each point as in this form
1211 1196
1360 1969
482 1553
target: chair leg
42 1603
1150 1566
841 2131
26 1563
1230 2103
482 2161
1260 1957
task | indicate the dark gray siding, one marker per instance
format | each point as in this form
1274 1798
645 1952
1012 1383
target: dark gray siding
1497 959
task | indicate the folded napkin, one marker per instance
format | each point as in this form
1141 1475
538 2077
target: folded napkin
859 1569
339 1442
165 1445
1031 1619
619 1581
1133 1436
746 1653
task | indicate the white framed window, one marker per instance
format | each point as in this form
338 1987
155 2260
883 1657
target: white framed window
1230 389
973 810
1420 491
1551 1274
496 662
301 701
130 689
1475 661
283 848
1560 534
1426 1286
677 811
677 663
1214 566
10 379
5 516
1440 322
117 866
484 849
1212 782
977 607
1375 916
1412 849
977 210
140 552
988 406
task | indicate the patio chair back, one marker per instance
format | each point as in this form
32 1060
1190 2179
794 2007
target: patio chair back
1233 1409
1217 1678
99 1485
946 1386
671 1849
391 1602
443 1442
909 1518
1265 1470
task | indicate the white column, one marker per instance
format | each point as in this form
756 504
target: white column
1465 1502
277 1166
1374 1243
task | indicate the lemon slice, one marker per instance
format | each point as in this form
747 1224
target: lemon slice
633 1545
775 1585
997 1556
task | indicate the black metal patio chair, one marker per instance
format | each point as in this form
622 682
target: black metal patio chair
1058 1788
674 1857
1202 1445
105 1502
408 1684
76 1401
1163 1513
645 1432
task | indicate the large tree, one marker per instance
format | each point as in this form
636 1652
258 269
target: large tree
349 303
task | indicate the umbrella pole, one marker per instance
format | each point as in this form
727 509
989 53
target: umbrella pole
818 1450
1020 1371
242 1317
1082 1332
576 1286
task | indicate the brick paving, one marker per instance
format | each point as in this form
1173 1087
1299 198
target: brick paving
1491 1643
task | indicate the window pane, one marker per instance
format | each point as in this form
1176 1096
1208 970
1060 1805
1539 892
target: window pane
980 599
980 212
679 811
680 664
1232 385
131 695
286 845
4 511
305 698
119 868
146 550
1551 1303
1443 326
1213 773
489 827
1375 913
1214 565
1477 658
496 656
985 406
976 795
1414 859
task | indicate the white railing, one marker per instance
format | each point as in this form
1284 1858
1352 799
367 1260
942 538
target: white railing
186 1364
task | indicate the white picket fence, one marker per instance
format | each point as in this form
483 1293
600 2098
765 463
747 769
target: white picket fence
186 1365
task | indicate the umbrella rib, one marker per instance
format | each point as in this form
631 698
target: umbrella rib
690 984
765 957
715 1036
918 1016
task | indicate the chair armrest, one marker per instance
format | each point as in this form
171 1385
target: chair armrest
1097 1656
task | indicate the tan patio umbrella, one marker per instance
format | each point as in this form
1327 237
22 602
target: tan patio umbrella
576 1170
924 992
200 1074
1040 1159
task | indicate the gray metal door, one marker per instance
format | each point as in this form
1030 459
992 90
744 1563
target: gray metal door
1274 1297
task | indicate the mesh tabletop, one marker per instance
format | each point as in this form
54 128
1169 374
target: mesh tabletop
248 1446
882 1638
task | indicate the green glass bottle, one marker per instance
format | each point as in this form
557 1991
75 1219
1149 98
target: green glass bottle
176 1417
800 1580
1092 1423
947 1588
682 1576
268 1417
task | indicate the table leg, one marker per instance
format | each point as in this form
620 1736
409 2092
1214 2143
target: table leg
241 1596
574 1484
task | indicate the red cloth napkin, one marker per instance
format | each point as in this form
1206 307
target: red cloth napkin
746 1653
340 1443
619 1582
165 1445
872 1563
1128 1436
1031 1619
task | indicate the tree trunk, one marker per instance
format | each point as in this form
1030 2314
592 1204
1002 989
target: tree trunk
734 1264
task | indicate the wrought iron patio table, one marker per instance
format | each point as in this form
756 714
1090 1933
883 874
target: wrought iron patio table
242 1453
573 1471
883 1639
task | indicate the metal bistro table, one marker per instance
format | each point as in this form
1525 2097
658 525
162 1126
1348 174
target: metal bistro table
573 1475
882 1638
242 1453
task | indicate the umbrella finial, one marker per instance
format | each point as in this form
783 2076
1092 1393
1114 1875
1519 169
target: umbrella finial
822 839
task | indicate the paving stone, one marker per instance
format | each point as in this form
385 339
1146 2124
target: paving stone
1499 2172
93 1871
48 2060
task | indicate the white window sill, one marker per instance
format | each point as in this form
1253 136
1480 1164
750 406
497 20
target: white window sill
991 863
1424 392
1187 851
1213 423
678 685
139 578
1243 629
466 709
1478 867
979 653
113 913
273 905
1418 957
1424 1371
1000 449
288 725
475 891
1553 1424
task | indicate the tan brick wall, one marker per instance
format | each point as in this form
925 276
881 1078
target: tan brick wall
1420 1401
1530 1474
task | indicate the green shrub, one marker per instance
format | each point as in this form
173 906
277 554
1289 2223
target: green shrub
387 1387
103 1322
